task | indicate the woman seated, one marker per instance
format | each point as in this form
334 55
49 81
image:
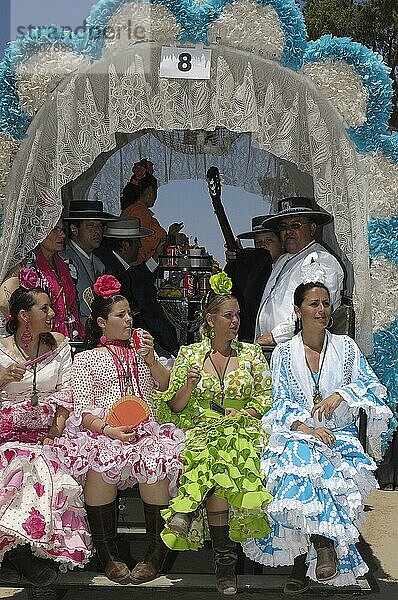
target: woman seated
316 468
49 271
105 458
219 389
41 507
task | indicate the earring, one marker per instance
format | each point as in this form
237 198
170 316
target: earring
212 333
102 340
300 325
26 336
331 321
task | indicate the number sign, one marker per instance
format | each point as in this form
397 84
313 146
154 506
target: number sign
185 63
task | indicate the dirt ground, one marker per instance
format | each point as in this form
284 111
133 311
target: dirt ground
379 548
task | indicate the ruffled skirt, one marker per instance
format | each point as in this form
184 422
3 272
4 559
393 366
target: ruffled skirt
151 456
224 454
317 490
41 505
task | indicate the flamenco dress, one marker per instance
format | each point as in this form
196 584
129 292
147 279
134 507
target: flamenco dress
222 452
317 489
154 452
40 503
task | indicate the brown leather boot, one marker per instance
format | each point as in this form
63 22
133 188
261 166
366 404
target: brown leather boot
225 558
148 569
35 570
297 582
103 526
326 564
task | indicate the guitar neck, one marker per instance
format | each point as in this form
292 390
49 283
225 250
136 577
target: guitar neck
224 225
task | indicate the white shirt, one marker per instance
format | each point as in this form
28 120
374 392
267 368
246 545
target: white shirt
121 260
276 312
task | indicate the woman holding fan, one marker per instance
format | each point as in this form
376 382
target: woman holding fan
113 440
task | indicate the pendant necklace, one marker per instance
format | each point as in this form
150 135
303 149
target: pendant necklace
317 394
221 377
121 357
34 399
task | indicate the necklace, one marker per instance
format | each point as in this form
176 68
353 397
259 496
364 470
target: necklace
317 394
221 376
121 354
34 399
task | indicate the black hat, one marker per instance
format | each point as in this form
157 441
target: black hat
259 225
93 210
126 228
299 207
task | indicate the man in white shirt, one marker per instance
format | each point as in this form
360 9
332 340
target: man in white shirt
296 221
86 220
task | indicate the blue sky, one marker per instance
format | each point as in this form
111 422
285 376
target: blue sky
172 204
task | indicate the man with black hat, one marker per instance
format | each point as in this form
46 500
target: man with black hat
250 271
296 221
86 218
120 249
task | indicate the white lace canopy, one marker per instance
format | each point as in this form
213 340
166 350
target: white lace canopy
285 114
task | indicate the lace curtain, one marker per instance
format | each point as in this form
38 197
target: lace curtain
122 93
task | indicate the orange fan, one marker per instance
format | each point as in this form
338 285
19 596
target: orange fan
128 410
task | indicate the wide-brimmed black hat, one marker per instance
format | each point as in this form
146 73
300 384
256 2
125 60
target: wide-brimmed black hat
259 225
80 210
126 229
298 207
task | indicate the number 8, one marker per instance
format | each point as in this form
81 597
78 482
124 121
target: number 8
185 62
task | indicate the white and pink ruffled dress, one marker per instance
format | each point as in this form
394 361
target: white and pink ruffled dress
40 503
153 455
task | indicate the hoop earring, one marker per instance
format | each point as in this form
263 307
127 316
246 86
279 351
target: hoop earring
331 322
26 336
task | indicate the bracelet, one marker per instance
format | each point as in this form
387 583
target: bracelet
103 428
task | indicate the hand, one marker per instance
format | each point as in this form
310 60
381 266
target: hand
231 412
148 342
46 441
327 406
230 255
175 228
193 378
12 373
325 435
125 433
265 340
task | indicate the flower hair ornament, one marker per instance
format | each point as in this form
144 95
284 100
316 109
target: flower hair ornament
221 284
29 279
107 286
313 271
141 169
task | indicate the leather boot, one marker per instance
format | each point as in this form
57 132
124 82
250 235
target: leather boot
297 582
147 569
326 564
32 568
225 559
180 523
103 526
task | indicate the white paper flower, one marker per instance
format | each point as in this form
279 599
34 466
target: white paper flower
382 178
249 26
343 87
38 76
384 280
138 21
313 272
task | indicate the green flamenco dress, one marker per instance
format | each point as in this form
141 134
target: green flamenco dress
222 452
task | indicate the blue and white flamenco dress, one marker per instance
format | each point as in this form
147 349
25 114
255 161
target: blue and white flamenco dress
319 489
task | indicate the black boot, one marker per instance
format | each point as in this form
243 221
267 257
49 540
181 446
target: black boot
297 582
148 569
103 526
326 563
225 558
33 569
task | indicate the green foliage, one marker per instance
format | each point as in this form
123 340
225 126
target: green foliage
372 22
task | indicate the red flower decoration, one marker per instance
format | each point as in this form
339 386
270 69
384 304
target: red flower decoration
35 524
142 169
106 286
29 279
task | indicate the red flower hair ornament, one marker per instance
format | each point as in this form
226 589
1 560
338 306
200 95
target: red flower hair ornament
141 169
106 286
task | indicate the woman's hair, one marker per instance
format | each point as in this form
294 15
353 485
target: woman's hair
133 191
212 304
303 288
100 307
23 299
